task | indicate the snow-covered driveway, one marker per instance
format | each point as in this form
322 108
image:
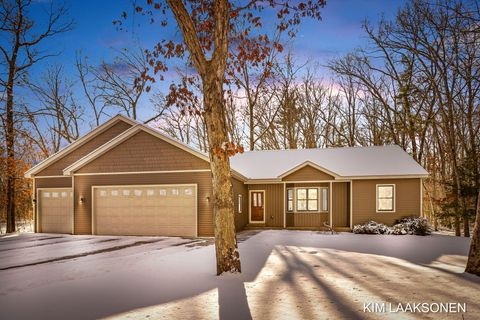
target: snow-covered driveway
286 275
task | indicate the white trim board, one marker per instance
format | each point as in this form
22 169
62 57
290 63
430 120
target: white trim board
250 206
81 141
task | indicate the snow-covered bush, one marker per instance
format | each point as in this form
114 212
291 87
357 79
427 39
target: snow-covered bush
412 225
371 227
416 225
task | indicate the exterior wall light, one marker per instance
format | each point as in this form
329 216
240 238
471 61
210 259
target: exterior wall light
82 200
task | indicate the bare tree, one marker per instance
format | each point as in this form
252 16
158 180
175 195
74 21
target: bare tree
123 82
20 51
54 115
88 80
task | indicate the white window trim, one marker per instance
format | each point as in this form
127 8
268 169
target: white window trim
394 197
240 203
306 211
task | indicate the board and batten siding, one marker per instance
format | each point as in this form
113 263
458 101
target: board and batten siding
312 220
56 168
83 188
340 204
241 218
407 200
144 152
307 173
274 206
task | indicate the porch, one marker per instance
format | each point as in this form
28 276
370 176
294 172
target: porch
300 205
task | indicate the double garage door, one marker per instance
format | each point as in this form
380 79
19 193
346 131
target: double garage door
150 210
167 210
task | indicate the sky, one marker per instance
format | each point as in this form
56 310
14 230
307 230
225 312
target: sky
94 35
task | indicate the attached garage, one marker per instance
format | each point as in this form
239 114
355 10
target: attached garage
55 210
149 210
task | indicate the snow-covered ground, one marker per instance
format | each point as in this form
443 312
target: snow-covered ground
286 275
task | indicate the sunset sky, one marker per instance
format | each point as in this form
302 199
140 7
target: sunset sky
94 35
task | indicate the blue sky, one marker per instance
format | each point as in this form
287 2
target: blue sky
94 34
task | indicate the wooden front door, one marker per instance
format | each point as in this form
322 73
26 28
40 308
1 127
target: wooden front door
257 206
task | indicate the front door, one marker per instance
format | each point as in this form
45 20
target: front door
257 206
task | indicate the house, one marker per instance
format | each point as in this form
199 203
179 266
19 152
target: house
125 178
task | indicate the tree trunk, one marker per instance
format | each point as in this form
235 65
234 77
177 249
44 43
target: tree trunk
457 225
466 227
473 263
228 257
10 141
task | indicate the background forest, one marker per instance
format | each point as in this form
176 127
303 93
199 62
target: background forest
415 83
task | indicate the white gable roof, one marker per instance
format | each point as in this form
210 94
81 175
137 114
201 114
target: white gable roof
347 162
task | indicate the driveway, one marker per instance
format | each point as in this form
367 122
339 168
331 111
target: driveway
29 249
285 275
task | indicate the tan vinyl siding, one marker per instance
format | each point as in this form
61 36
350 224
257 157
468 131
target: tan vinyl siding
273 203
308 173
83 188
57 167
60 182
407 200
241 219
340 204
144 152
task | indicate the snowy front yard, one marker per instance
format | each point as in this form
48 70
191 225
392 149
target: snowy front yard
286 275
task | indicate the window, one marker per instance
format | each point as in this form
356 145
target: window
150 192
103 193
188 191
55 194
307 199
175 192
324 192
163 192
289 199
114 193
385 197
137 193
126 192
240 198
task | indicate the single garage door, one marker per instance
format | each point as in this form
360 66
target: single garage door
55 210
163 210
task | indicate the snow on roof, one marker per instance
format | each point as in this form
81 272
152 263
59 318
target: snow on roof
388 160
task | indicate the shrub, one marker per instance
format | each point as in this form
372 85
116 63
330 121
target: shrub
411 225
371 227
416 225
